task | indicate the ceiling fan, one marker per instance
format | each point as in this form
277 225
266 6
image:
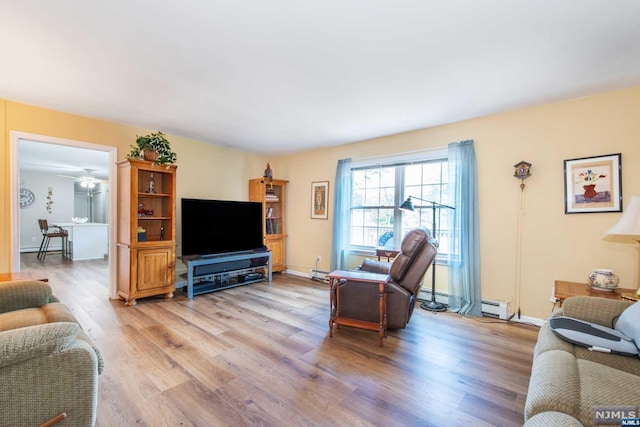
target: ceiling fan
87 180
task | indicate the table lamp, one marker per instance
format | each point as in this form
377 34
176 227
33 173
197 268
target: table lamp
627 230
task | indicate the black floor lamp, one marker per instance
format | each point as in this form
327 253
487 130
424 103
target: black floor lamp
432 305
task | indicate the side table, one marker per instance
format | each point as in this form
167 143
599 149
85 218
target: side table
23 275
381 280
564 290
389 254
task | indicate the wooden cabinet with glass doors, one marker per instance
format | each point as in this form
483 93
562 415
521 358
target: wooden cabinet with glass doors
272 196
146 230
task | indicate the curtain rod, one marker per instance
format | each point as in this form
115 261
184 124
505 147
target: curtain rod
406 157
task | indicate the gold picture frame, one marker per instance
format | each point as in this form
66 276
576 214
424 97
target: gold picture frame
593 184
320 200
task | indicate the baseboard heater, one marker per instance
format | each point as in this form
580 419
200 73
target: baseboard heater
490 308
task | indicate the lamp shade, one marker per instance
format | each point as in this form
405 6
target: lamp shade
627 229
407 205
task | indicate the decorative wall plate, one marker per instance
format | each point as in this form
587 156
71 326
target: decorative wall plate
26 197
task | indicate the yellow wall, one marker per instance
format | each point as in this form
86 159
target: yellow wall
204 170
554 245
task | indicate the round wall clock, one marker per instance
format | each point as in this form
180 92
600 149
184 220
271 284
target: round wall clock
26 197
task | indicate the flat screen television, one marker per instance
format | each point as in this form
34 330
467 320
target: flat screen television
211 227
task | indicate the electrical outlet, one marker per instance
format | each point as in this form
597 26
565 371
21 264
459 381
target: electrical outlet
33 239
318 258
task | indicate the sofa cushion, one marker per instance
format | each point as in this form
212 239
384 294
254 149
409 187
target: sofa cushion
616 361
48 313
602 385
21 318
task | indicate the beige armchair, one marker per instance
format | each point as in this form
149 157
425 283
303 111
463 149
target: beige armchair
359 300
48 365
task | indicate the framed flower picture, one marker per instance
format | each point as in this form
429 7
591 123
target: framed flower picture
593 184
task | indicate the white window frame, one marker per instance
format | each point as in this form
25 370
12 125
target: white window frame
403 159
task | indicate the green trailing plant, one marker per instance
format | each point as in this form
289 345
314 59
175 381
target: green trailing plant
154 141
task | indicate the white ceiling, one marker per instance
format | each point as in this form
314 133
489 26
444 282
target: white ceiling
282 76
62 160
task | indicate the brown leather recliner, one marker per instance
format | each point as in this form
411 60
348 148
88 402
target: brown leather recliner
360 300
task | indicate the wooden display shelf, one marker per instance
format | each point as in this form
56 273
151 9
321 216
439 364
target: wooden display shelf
146 258
273 217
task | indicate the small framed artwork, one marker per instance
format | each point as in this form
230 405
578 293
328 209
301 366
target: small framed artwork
320 200
593 184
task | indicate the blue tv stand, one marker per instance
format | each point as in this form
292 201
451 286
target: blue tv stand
217 272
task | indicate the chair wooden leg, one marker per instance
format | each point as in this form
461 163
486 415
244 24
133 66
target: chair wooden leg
54 420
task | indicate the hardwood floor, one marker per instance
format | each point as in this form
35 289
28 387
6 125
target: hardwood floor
260 355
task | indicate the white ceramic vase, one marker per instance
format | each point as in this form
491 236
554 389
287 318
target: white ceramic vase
603 278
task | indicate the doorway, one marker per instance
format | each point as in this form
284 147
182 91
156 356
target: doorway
53 143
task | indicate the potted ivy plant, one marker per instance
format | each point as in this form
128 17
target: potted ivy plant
154 147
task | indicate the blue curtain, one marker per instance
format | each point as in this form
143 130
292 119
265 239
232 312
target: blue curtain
464 257
341 220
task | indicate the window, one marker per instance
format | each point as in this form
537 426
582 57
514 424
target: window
377 192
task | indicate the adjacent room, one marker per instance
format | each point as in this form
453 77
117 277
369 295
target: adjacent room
333 213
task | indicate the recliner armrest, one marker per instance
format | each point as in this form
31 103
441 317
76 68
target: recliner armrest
18 345
373 266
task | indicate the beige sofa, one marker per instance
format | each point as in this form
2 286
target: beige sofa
48 364
568 381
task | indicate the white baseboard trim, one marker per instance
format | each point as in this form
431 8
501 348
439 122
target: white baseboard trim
530 320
